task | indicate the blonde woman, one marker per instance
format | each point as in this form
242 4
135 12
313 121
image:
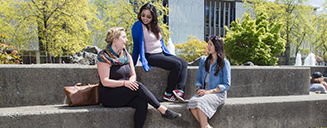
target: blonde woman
118 86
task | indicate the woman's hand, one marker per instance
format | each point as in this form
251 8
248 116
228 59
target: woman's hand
131 85
202 92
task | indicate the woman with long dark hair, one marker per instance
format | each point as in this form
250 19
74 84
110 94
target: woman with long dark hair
212 82
150 50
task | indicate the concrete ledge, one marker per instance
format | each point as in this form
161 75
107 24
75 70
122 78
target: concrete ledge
42 84
246 81
322 69
251 81
251 112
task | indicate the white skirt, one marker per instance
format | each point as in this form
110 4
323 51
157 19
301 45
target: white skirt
207 103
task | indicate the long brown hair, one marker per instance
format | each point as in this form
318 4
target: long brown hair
219 48
154 27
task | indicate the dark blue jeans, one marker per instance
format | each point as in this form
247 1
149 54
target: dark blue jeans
177 67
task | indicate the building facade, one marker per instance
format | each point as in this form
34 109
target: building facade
202 18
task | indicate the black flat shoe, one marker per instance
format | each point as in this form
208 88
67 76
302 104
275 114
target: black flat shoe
171 114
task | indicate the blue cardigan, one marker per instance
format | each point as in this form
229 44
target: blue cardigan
138 46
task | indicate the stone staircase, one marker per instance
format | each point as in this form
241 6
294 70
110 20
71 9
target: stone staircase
259 97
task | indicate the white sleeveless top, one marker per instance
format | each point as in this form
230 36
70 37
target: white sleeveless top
151 43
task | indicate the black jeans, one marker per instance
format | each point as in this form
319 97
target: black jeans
177 67
124 97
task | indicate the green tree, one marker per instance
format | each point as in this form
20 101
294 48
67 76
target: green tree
320 43
123 13
192 49
297 19
254 40
8 58
61 26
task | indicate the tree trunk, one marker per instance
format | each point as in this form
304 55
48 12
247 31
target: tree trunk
287 54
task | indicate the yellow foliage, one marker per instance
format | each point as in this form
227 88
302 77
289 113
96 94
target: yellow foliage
124 14
192 49
57 26
8 54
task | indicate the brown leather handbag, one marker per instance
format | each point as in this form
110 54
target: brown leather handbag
80 94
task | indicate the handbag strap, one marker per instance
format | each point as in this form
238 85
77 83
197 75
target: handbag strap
78 84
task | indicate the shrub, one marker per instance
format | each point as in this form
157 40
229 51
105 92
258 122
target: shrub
192 49
8 54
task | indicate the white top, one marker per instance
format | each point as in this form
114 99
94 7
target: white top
206 80
152 44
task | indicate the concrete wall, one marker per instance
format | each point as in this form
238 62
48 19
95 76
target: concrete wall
22 85
322 69
41 84
240 10
269 81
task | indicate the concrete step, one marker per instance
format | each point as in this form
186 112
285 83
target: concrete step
248 112
42 84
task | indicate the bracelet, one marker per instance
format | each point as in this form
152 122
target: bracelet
197 88
124 83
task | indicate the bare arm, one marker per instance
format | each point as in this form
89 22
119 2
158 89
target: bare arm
131 64
104 72
324 84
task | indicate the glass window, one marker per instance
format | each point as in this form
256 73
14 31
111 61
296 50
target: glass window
217 15
212 16
207 16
